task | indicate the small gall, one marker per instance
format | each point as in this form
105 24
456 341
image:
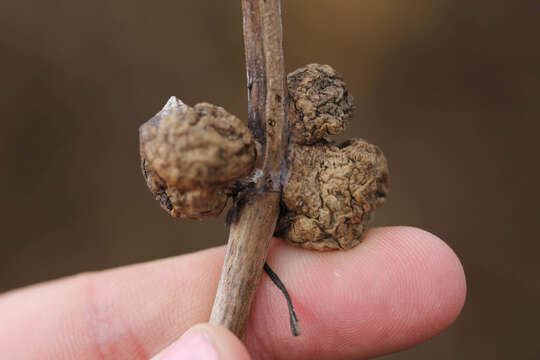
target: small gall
191 157
319 103
331 193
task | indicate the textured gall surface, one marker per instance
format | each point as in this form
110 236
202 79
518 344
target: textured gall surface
200 145
192 156
319 102
331 193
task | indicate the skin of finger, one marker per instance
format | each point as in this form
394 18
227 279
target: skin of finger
224 342
401 286
130 312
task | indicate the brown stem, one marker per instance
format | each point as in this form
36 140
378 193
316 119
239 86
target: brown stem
256 215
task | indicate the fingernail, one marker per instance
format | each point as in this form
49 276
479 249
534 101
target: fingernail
193 345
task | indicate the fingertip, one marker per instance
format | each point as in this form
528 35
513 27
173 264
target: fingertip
229 346
399 287
431 279
446 285
206 342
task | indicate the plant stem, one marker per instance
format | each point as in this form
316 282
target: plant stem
256 216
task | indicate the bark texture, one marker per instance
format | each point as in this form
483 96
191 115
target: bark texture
256 214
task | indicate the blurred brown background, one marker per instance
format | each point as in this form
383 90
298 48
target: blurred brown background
449 90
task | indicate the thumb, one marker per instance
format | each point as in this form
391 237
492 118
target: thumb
206 342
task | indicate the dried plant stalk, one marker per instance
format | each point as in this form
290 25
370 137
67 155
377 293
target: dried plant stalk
256 215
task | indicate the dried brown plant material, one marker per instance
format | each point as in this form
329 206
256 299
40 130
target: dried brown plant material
198 204
331 193
200 145
320 104
192 156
